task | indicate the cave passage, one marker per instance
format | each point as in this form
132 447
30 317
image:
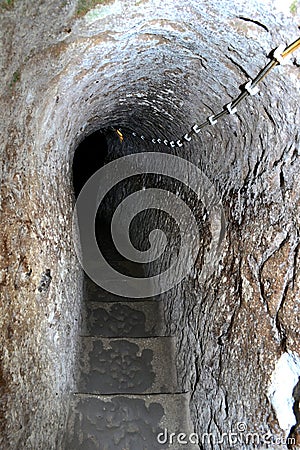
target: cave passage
125 348
153 68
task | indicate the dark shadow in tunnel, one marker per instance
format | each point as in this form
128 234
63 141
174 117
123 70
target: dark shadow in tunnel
92 154
88 158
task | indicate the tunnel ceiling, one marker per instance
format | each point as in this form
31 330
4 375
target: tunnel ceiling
156 69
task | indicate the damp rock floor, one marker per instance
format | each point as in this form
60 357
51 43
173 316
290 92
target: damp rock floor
127 396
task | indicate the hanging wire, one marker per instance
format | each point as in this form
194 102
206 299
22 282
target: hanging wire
278 56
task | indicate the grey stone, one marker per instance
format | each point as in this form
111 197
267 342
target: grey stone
111 366
94 293
127 422
124 319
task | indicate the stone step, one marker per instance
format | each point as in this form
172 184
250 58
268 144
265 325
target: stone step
123 319
127 366
131 422
94 293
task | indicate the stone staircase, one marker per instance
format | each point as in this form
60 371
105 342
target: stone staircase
128 394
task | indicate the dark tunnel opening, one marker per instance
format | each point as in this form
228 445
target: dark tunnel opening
156 69
88 158
125 349
93 153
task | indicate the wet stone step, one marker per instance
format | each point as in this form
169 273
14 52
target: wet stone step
130 422
123 319
133 365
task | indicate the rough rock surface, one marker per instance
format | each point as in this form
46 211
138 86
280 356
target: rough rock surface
154 67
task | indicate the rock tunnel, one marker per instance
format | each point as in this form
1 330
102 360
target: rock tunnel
71 70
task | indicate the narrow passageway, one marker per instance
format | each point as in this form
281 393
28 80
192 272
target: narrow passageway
127 393
156 70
